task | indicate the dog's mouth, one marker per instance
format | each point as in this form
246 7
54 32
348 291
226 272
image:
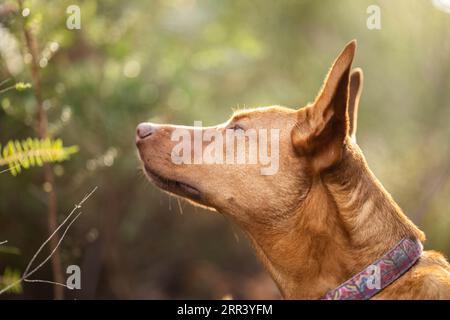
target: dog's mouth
174 186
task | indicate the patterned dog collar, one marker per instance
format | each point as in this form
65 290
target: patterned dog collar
380 274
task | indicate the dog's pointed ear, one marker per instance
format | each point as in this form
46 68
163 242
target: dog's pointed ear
356 86
323 126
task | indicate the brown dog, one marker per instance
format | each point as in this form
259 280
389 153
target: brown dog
323 216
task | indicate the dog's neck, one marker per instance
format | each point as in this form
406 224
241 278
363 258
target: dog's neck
346 221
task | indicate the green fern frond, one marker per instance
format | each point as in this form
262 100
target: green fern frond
28 153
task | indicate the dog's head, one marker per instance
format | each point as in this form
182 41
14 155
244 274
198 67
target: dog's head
292 147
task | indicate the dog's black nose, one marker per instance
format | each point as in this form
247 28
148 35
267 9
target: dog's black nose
144 130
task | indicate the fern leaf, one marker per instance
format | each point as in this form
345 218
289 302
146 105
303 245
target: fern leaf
18 155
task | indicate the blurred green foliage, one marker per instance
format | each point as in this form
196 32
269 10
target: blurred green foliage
183 60
18 155
8 278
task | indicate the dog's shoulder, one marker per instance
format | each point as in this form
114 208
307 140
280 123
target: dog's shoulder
429 278
433 258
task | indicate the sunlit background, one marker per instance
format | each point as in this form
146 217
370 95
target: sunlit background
183 60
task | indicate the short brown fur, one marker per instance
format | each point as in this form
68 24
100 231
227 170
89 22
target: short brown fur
324 216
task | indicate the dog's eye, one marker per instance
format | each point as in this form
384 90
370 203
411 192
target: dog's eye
236 127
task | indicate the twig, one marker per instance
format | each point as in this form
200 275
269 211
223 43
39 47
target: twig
7 88
3 242
26 274
29 273
6 170
42 129
49 282
5 81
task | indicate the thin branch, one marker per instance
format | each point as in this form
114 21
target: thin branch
7 88
28 273
77 206
49 282
5 81
42 131
6 170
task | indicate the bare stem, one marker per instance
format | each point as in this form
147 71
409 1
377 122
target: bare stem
42 131
27 273
7 88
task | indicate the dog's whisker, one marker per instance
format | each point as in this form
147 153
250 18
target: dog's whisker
179 206
236 236
233 230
